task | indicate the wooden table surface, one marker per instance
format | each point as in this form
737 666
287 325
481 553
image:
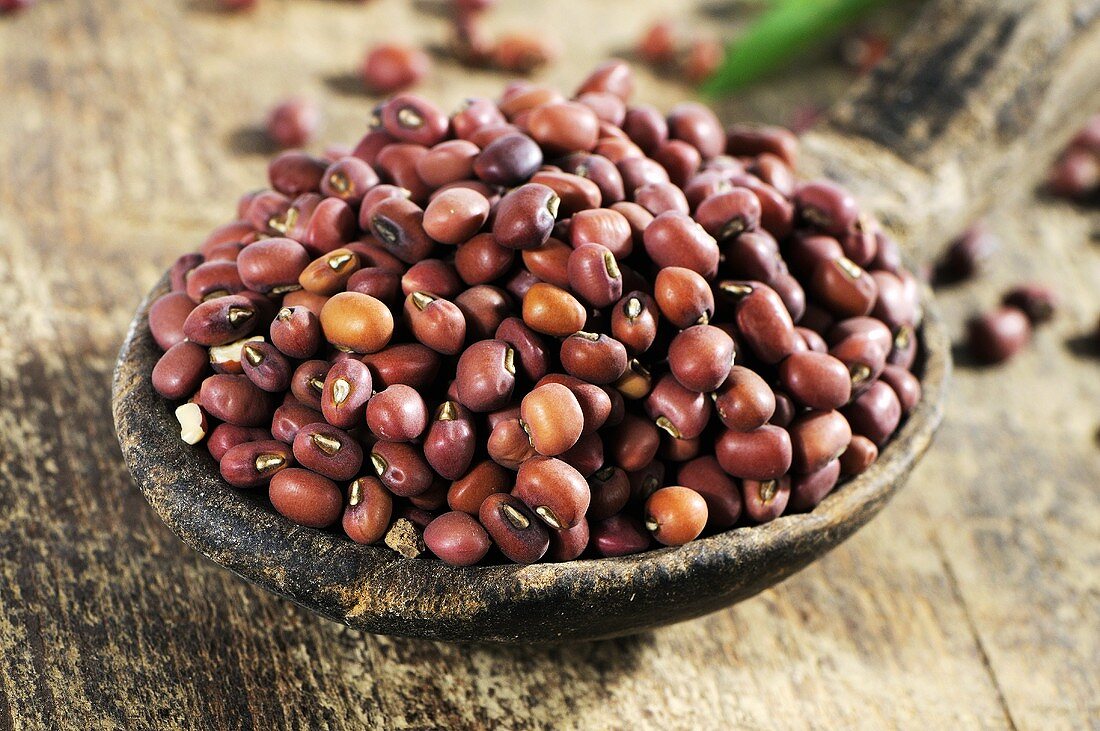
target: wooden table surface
125 134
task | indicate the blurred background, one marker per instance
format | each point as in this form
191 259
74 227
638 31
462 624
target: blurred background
127 131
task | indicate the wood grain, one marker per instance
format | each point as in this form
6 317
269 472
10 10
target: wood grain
971 602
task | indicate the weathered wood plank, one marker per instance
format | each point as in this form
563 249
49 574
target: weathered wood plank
967 604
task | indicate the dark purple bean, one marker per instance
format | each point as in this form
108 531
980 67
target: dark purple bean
265 366
508 160
525 216
753 255
638 171
601 171
646 127
619 535
785 410
486 375
610 490
593 274
530 350
967 255
181 268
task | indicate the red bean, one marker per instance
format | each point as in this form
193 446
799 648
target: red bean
457 538
305 497
815 380
515 530
367 515
762 454
719 491
253 464
675 515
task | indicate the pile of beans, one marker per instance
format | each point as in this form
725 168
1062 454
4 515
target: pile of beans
541 328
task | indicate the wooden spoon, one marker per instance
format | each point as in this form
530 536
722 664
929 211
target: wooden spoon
974 95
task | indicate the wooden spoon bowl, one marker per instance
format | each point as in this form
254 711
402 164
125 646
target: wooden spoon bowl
372 588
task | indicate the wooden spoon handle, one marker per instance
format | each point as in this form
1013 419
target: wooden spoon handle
978 97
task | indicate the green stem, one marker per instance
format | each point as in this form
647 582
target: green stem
780 34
